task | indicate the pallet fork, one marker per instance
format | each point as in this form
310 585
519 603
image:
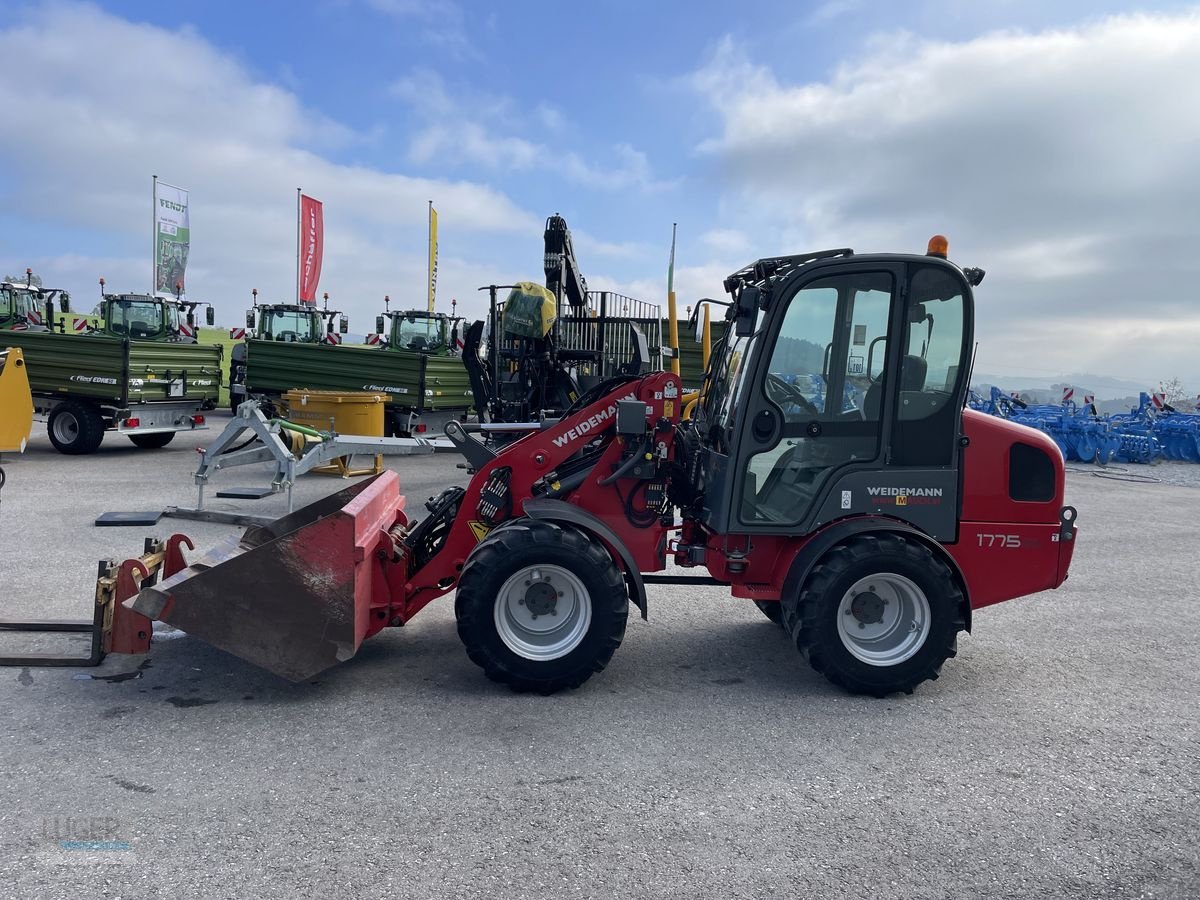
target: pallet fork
114 627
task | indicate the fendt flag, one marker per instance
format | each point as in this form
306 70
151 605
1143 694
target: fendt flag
311 243
172 236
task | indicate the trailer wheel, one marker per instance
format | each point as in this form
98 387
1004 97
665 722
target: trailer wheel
879 614
152 441
772 610
75 428
541 607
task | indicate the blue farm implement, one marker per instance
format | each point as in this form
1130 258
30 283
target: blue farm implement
1151 431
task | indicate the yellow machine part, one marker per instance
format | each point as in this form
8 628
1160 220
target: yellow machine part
16 403
529 311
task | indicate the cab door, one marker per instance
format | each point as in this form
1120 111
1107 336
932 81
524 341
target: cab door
816 399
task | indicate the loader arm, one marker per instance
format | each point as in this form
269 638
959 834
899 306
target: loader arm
573 461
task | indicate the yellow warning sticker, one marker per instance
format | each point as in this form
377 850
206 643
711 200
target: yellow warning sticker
479 530
668 408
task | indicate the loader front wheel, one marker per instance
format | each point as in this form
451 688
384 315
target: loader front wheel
541 607
75 428
879 614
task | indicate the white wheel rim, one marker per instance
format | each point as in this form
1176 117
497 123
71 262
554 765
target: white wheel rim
543 612
883 619
66 427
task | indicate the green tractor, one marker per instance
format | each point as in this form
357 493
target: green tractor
147 317
299 323
27 306
417 331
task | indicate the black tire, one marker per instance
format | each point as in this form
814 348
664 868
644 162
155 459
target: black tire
772 610
812 615
532 545
75 428
152 441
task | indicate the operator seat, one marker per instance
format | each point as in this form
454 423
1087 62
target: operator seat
913 370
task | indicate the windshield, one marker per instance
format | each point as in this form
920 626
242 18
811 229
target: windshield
19 303
138 319
289 325
421 334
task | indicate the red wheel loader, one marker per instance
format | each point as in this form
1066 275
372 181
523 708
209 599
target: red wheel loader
829 473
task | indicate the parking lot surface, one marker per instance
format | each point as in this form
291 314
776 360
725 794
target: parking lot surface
1057 756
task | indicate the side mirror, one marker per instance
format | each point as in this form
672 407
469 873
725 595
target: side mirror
343 325
746 315
210 316
249 318
379 324
64 300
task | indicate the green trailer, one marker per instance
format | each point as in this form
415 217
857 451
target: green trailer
423 392
87 385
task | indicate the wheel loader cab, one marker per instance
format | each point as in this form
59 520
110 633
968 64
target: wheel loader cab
845 399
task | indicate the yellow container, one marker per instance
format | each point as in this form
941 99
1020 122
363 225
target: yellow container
344 412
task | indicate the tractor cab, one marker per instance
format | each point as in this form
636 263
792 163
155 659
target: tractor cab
434 334
146 317
27 306
301 323
838 392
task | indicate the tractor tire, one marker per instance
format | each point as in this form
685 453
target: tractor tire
152 441
772 610
541 607
878 615
75 428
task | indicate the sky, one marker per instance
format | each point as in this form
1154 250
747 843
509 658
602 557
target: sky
1056 145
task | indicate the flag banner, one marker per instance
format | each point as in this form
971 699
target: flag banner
312 244
433 256
172 237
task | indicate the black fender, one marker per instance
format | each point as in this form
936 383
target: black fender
567 514
810 554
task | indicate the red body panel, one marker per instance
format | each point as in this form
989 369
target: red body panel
538 455
1005 548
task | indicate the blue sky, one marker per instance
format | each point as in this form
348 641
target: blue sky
1047 140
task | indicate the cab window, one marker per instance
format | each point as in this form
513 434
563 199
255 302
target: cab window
932 368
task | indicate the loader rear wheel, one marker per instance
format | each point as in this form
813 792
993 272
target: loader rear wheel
152 441
541 607
879 614
75 428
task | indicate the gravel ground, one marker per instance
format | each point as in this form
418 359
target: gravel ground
1058 755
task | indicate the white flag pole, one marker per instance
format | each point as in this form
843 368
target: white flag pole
154 236
297 246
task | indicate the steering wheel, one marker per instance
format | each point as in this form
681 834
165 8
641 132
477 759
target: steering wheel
783 393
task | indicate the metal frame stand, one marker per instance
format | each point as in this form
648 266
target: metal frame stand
266 443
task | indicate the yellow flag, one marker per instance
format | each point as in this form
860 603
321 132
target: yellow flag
433 253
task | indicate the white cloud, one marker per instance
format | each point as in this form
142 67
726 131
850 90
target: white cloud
726 241
170 103
463 126
1063 161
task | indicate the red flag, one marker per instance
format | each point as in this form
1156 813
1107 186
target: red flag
312 242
